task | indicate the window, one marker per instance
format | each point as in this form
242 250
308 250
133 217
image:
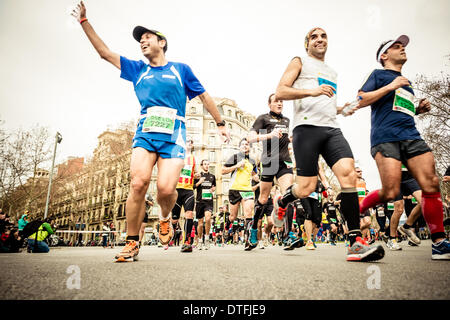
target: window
230 113
212 125
230 126
211 141
193 123
212 156
193 109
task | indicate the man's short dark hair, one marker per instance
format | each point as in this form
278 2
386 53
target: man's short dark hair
201 163
270 98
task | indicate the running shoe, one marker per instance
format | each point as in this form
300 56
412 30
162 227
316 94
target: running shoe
385 238
207 245
261 244
410 234
295 243
310 245
361 251
166 247
393 245
129 252
412 244
278 213
314 244
200 245
333 243
186 248
441 250
265 240
253 237
165 231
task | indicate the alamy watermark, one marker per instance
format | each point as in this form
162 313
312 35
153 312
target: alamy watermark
374 280
74 281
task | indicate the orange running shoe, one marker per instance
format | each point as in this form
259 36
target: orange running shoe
165 231
129 252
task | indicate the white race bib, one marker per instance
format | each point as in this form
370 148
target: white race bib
206 194
160 119
404 102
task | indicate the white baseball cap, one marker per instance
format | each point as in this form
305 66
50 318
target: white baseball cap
403 39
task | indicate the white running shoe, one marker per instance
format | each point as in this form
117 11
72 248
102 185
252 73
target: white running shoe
393 245
207 245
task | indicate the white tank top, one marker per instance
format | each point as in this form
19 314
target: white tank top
316 111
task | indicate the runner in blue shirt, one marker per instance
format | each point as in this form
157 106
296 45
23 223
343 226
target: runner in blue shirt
395 140
162 88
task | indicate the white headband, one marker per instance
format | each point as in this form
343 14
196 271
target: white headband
384 49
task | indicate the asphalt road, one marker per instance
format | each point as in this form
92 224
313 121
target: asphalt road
224 273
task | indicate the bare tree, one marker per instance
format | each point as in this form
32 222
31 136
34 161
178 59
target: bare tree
435 125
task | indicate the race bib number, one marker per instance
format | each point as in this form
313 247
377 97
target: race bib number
186 172
381 213
160 119
414 200
247 195
404 102
206 194
390 206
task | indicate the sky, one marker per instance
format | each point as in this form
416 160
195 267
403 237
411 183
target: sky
51 75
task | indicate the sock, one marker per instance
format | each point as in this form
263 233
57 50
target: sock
258 212
406 226
370 201
188 229
350 210
135 238
287 197
433 213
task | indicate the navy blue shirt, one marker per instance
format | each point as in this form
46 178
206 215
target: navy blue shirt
391 122
167 86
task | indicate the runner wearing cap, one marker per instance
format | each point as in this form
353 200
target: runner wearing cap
396 140
312 85
162 88
272 129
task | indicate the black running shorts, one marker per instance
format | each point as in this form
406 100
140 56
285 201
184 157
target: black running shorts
401 150
311 141
235 196
407 187
185 199
201 207
277 169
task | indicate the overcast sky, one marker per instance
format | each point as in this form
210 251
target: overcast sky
51 75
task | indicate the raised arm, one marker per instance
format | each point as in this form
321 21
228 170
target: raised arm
80 14
209 105
373 96
285 91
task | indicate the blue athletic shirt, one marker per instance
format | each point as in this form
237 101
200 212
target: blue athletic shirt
388 125
166 86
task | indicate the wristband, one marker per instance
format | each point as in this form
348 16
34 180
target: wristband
83 20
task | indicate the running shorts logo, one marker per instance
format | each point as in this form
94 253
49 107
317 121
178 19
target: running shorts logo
328 82
247 195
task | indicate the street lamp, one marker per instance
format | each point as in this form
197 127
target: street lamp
58 139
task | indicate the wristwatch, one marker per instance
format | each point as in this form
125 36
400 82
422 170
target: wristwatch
221 124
